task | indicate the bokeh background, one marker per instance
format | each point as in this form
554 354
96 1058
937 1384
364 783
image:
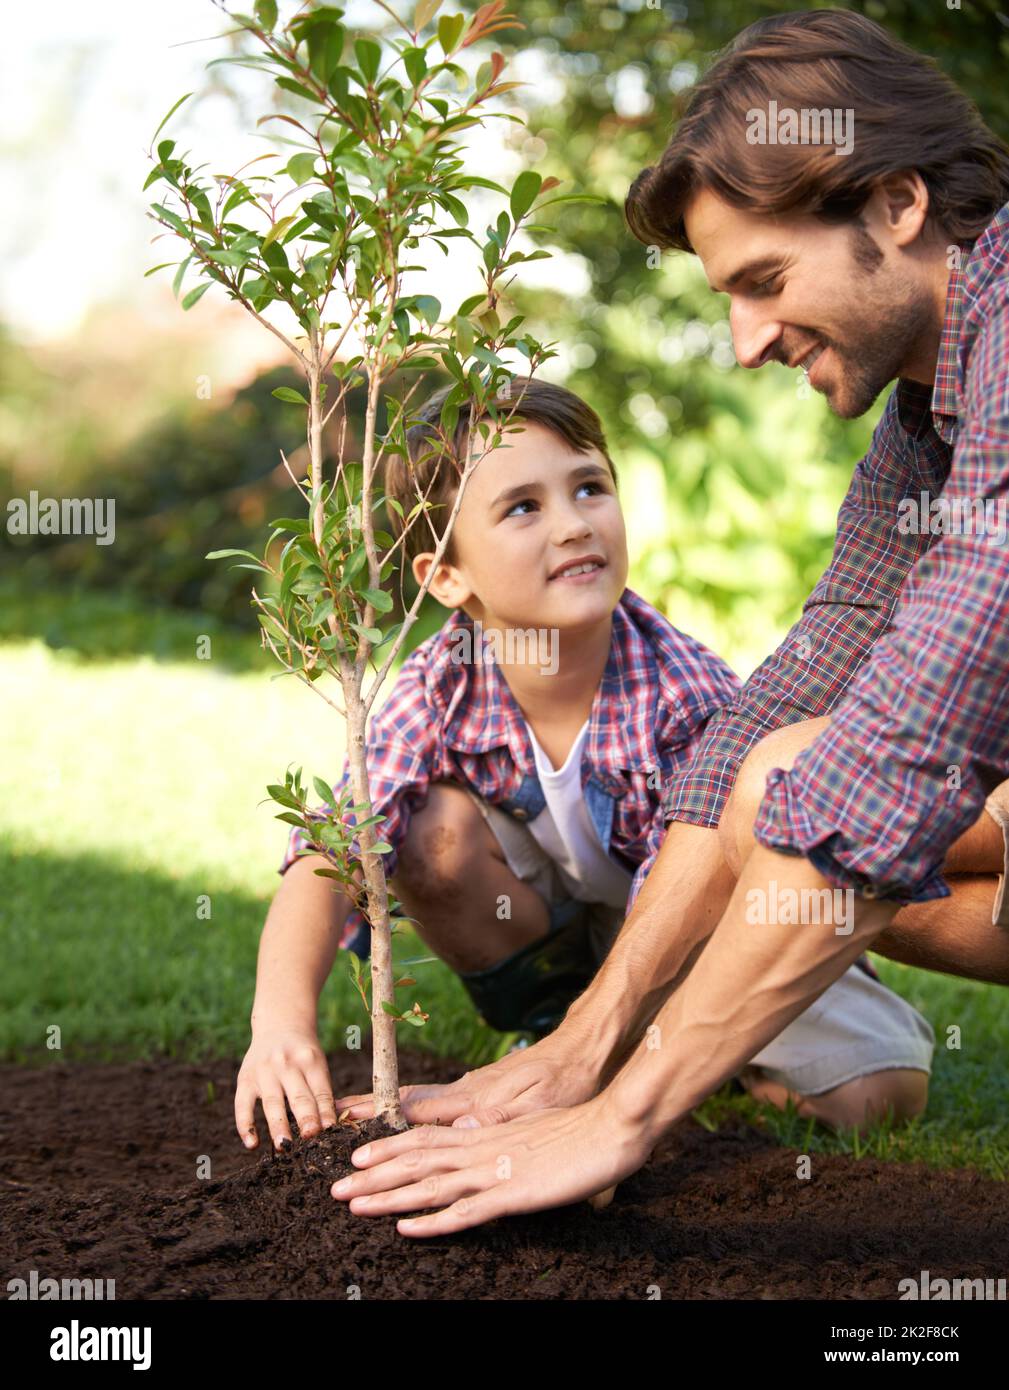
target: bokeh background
133 776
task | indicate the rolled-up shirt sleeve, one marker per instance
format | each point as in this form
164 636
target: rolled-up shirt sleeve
922 733
843 618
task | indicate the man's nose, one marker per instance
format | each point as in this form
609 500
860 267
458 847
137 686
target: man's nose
755 336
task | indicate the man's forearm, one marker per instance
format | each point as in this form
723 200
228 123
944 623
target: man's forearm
298 946
677 908
754 977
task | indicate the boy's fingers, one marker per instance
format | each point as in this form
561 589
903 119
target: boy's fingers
317 1076
276 1116
245 1115
302 1101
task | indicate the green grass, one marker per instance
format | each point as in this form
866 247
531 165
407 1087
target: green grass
134 785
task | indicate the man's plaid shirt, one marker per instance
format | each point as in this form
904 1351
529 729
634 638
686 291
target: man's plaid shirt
452 720
905 639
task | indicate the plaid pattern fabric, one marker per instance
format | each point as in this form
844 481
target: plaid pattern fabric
452 720
905 639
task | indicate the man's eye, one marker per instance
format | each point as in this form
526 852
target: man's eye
771 286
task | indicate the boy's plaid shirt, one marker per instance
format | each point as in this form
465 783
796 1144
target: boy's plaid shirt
920 731
449 720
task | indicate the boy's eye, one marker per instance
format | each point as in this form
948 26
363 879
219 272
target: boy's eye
531 501
769 286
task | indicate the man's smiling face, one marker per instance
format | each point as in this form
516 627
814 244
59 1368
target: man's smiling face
833 299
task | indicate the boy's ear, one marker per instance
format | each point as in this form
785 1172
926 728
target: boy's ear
447 584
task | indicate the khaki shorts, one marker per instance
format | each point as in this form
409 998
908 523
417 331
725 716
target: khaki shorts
856 1027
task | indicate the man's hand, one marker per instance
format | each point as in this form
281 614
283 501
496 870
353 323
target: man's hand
529 1164
284 1062
547 1075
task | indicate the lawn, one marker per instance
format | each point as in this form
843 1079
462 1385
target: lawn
133 790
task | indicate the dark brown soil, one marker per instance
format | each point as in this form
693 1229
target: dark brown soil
98 1178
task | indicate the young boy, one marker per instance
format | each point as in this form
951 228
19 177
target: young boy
523 793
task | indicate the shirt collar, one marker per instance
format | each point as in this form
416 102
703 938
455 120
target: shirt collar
482 713
915 401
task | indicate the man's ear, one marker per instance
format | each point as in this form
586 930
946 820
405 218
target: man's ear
899 205
448 585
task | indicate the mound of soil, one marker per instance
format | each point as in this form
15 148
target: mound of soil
99 1177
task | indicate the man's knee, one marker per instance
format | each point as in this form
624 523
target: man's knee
444 840
777 749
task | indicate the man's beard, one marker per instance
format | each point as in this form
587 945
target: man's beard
903 318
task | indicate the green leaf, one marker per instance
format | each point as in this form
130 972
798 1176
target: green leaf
266 13
171 218
524 193
170 115
450 29
224 554
163 266
415 63
196 294
425 12
278 229
379 599
180 275
369 57
288 393
296 87
427 307
165 149
229 258
301 167
390 1009
322 790
414 1019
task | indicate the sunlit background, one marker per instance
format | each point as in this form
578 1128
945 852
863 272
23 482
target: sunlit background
133 776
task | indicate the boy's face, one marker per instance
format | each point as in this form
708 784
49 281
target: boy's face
532 506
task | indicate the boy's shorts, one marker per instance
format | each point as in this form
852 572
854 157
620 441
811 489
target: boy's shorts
855 1027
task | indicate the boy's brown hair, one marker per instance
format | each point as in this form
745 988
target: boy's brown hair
433 471
907 115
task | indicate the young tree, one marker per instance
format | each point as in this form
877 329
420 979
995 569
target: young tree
377 172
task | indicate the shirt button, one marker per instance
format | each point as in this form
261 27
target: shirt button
520 813
869 892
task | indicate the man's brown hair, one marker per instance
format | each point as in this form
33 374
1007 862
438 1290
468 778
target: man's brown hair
432 470
908 115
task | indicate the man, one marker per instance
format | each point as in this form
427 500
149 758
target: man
859 755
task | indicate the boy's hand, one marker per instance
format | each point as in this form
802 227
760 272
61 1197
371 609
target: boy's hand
542 1077
284 1062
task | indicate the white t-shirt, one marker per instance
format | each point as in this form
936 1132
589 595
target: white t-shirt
565 831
